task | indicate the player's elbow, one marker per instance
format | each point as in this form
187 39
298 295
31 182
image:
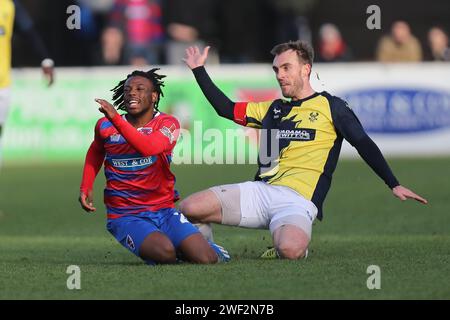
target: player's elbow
148 152
225 109
361 141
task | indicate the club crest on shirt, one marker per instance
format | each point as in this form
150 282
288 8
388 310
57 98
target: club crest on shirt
130 242
115 137
313 116
145 131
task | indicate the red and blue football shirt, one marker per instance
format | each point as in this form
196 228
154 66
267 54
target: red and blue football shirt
136 162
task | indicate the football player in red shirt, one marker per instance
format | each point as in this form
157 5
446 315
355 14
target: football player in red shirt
136 150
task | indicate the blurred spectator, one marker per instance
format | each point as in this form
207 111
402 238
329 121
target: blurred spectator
438 42
246 31
400 46
189 23
82 46
93 14
332 47
112 43
98 6
292 19
135 34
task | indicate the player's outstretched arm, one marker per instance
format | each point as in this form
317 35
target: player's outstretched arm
195 60
350 127
147 145
404 193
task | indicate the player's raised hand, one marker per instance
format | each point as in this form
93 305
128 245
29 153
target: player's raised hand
49 75
106 108
48 70
404 193
86 201
194 58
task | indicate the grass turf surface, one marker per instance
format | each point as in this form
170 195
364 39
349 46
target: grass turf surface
43 231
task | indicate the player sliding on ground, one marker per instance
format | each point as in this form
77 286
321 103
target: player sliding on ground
136 149
305 135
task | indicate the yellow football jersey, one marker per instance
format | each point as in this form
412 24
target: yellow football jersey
301 140
6 30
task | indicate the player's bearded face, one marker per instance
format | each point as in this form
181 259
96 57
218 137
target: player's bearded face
288 70
139 95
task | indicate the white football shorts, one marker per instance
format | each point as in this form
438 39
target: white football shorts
259 205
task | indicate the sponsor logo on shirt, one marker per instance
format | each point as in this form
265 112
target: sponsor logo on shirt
297 134
133 163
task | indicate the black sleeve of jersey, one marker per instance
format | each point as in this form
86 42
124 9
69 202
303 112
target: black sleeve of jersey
348 125
26 26
220 102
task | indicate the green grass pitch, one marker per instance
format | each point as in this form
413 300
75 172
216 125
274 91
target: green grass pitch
43 231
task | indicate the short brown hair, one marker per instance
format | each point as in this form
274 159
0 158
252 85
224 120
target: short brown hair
303 49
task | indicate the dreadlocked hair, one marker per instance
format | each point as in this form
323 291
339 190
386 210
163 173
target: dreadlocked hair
156 80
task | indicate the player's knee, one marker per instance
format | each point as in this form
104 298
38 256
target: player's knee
167 254
189 208
208 257
292 251
163 253
184 206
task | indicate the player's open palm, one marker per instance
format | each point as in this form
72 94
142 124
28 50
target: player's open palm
106 108
194 58
404 193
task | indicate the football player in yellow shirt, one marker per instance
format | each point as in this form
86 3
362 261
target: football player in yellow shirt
12 12
294 176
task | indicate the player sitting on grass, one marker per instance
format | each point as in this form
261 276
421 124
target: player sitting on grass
136 149
299 150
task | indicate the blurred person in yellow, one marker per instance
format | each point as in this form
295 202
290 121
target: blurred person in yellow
400 46
12 12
